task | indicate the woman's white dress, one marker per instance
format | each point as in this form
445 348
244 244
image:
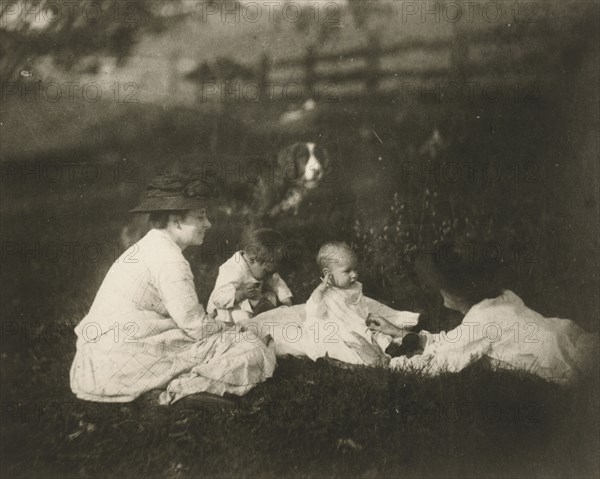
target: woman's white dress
146 330
512 336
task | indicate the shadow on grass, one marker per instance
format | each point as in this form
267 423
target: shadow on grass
309 420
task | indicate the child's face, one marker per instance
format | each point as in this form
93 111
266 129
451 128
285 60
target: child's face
343 270
261 269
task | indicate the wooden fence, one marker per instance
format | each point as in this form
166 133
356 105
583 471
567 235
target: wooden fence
507 53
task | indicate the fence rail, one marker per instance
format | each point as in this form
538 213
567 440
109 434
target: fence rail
509 52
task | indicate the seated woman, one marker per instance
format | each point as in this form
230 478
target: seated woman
146 330
496 325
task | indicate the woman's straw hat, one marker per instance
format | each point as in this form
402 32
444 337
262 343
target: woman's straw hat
173 193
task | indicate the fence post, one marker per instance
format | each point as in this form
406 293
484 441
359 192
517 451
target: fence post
174 78
372 62
459 55
309 72
264 67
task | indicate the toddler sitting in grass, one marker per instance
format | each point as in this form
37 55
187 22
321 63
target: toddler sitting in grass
248 282
337 313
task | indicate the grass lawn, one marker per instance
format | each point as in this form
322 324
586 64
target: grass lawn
310 420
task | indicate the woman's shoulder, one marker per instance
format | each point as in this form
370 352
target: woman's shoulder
153 253
505 298
158 247
507 304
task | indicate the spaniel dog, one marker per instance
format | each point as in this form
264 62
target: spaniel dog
300 169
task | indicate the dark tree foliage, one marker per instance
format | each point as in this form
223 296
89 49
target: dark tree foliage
73 32
76 34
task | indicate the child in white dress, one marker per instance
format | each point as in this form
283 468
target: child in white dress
337 310
248 282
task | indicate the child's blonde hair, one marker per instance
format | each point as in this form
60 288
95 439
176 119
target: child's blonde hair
328 253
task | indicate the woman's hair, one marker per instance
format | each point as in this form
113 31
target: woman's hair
328 253
160 219
264 245
461 269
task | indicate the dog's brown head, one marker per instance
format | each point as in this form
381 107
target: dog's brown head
303 164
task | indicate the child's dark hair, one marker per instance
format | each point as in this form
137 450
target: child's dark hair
264 245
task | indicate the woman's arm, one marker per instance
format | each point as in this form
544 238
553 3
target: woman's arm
400 319
449 351
382 325
176 288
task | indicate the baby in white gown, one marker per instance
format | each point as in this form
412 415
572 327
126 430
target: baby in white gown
337 309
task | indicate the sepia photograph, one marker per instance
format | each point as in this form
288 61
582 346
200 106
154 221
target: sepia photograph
299 239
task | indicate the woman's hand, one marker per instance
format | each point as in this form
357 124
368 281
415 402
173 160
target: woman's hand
382 325
369 353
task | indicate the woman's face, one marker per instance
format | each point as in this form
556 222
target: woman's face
193 227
